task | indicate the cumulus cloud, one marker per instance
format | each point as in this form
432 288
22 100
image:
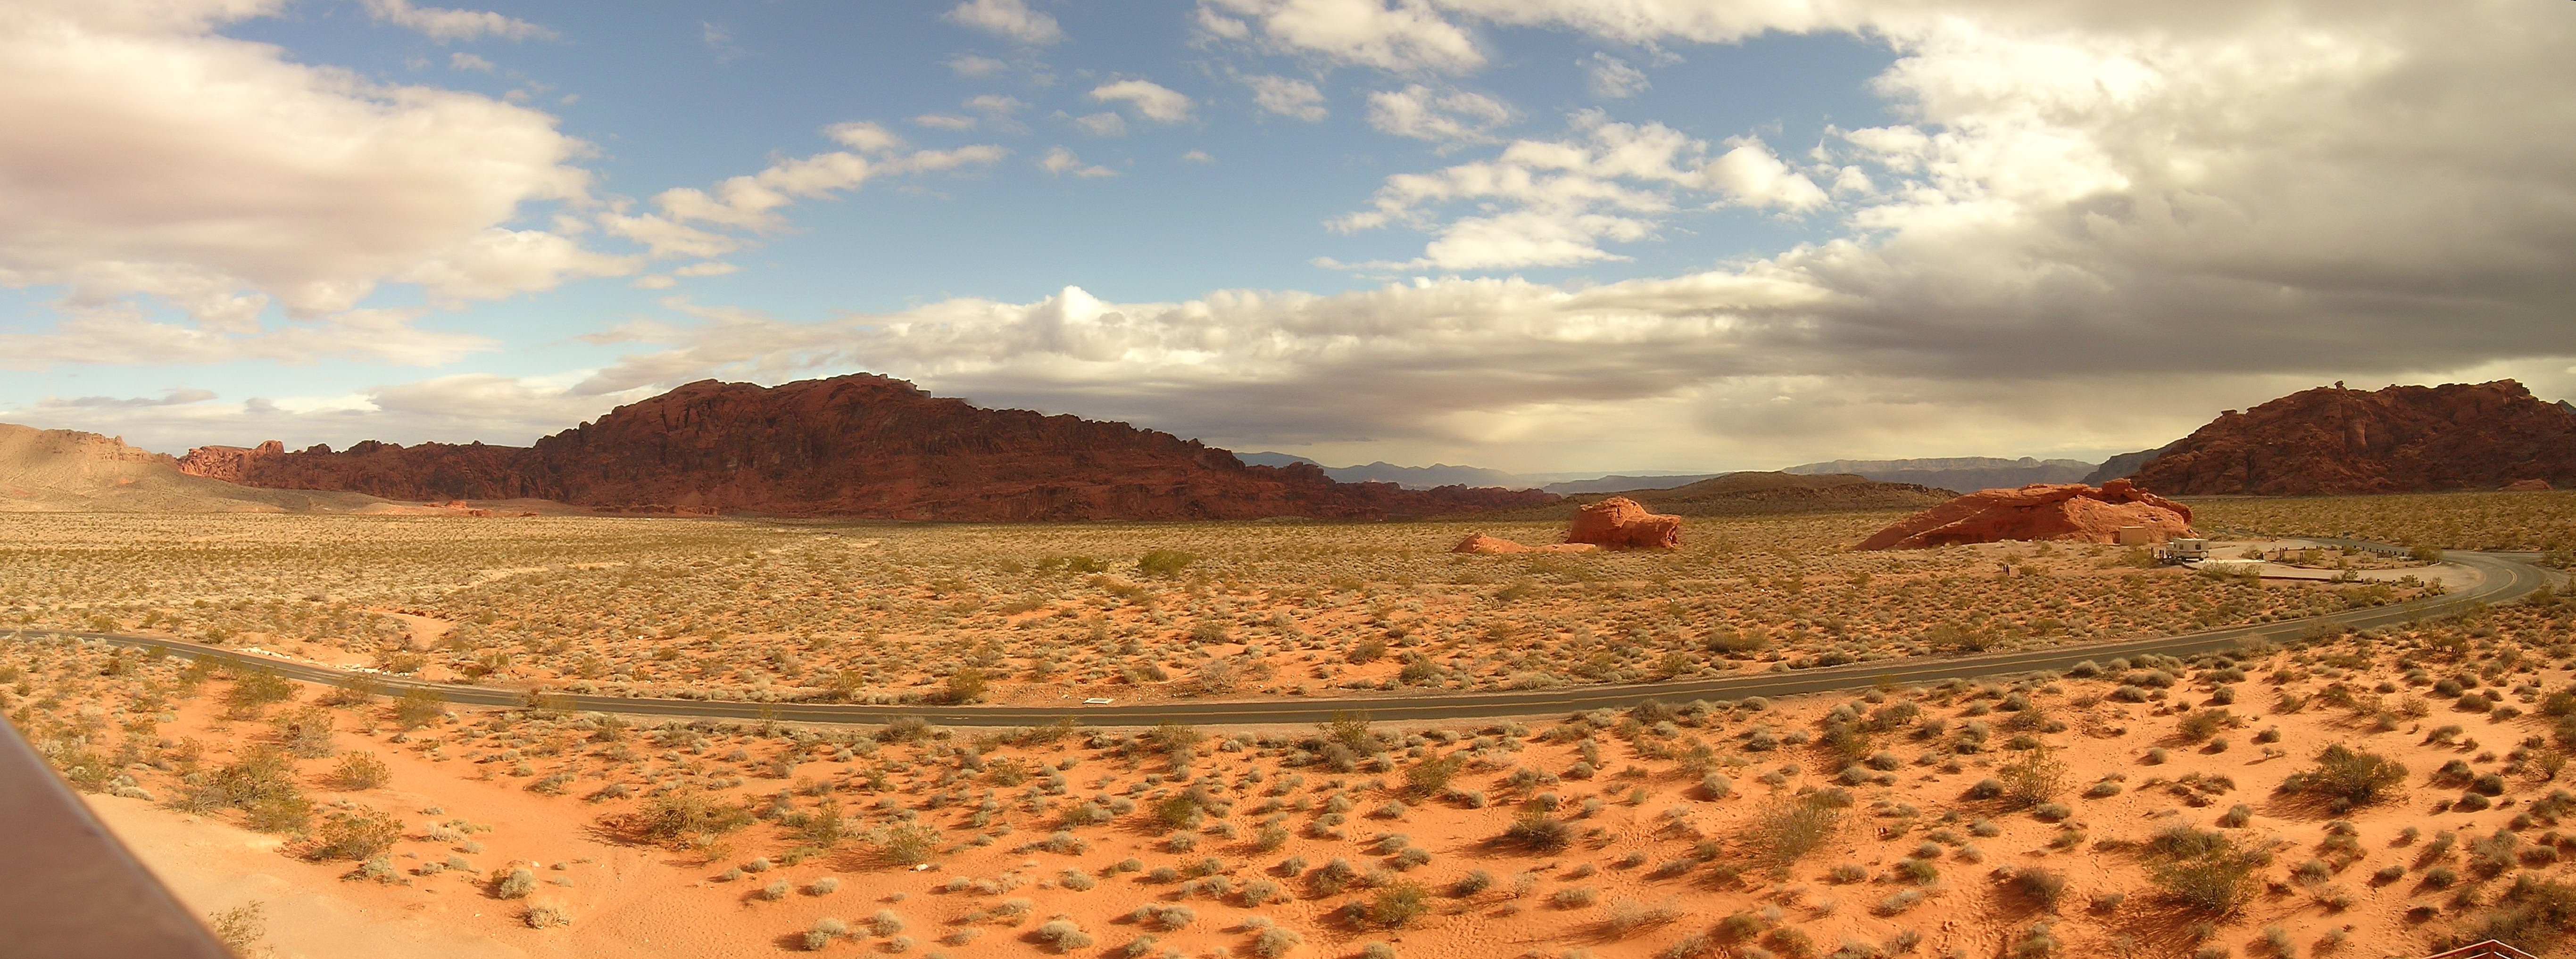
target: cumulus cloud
1151 100
1060 161
444 24
694 222
1612 78
944 121
1198 156
1287 97
1557 202
1401 35
220 178
1448 117
1009 19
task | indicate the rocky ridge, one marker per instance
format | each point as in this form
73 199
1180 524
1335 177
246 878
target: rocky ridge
2401 439
859 445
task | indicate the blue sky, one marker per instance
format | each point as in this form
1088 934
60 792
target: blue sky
1472 231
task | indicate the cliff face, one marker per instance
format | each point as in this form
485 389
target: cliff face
2395 440
850 446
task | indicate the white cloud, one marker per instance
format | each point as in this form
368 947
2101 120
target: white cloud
1402 35
1751 176
220 178
944 121
1198 156
1440 116
689 221
444 24
1558 202
1287 97
1612 78
461 60
974 65
1102 124
995 104
1010 19
1150 100
1060 161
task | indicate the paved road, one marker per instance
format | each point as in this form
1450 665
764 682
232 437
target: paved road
2502 577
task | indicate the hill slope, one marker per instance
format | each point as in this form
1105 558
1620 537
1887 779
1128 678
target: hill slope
2402 439
855 445
1955 472
49 471
1758 493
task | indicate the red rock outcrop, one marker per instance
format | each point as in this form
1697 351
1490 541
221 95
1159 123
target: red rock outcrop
2401 439
2528 486
1622 523
2040 511
856 445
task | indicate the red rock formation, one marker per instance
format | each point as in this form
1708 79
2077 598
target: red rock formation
1621 523
2058 511
1489 545
2400 439
854 446
2528 486
227 463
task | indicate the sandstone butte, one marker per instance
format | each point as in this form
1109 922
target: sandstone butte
860 445
2402 439
2040 511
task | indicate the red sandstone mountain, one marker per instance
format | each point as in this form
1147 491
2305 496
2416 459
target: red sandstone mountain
848 446
2401 439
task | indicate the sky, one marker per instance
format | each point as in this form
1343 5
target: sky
1532 235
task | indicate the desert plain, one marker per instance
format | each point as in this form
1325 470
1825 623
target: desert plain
2380 792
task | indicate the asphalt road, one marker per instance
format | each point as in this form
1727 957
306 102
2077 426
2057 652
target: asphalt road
2503 577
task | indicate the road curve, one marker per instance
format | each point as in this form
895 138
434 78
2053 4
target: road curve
2502 577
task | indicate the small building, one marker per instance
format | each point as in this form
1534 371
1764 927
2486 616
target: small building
2184 549
2136 536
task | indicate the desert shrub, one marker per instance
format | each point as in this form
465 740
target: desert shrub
1536 831
908 844
2348 778
1574 897
1164 562
360 835
824 932
416 708
2040 885
516 883
1789 828
1398 905
1275 941
2036 777
688 813
1062 935
2216 881
360 770
546 916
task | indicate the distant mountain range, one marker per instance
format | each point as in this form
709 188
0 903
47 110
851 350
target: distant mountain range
1443 474
1963 473
1756 492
